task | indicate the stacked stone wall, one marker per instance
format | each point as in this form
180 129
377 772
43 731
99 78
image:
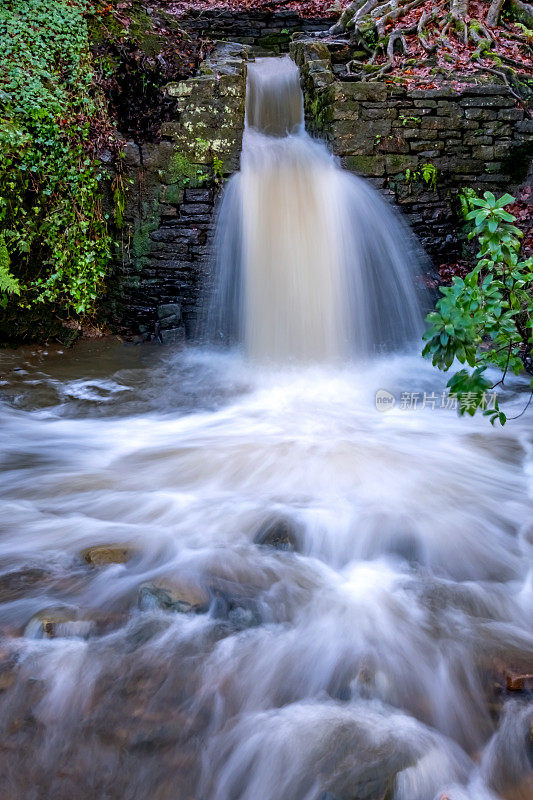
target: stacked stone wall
420 146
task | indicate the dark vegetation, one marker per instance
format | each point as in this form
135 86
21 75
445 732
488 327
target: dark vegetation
73 74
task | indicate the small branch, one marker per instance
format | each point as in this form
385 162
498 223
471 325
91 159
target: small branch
524 409
501 74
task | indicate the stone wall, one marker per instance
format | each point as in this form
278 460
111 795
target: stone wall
474 137
271 30
171 199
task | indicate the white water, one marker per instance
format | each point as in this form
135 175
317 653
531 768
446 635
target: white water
370 663
312 263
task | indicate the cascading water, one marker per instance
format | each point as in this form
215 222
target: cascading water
298 597
311 263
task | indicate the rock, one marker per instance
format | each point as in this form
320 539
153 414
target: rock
279 534
58 622
169 594
240 612
173 335
19 582
8 663
169 316
105 554
518 681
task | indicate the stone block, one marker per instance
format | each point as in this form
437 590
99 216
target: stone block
481 113
487 102
525 126
510 114
364 91
373 165
477 138
395 164
447 92
486 152
393 144
425 105
378 113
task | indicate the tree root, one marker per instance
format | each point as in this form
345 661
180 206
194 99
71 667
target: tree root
423 21
493 14
368 20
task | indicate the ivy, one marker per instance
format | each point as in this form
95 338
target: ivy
486 318
8 283
51 220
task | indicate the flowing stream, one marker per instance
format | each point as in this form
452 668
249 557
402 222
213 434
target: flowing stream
299 593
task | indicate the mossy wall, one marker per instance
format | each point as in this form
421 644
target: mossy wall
172 187
420 146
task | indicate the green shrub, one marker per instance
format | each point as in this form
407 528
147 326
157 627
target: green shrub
486 319
50 184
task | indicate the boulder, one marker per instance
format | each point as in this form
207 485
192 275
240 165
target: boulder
173 335
58 622
105 554
170 594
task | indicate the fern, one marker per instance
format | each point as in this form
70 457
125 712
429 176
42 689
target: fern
8 283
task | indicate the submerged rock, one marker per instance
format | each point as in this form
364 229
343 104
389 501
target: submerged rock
171 595
58 622
16 583
105 554
240 612
280 534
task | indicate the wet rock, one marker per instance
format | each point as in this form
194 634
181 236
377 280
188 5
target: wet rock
18 582
171 595
105 554
145 631
58 622
239 612
169 315
173 335
280 534
7 670
519 681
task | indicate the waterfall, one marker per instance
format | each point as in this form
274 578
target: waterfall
311 263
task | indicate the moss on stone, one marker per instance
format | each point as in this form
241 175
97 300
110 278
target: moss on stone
184 172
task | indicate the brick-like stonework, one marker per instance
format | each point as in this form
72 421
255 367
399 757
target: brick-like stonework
271 31
171 201
478 136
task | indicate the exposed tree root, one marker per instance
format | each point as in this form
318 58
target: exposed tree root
374 29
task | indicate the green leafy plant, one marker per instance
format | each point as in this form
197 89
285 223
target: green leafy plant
51 218
8 283
218 168
486 319
427 173
412 120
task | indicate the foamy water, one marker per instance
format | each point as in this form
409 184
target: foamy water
365 659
